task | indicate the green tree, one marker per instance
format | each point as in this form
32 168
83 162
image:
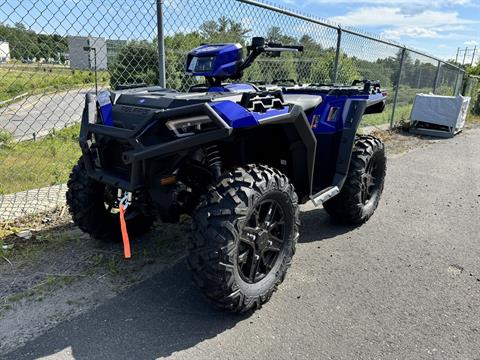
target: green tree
312 53
26 44
375 70
268 68
323 69
136 63
223 30
177 46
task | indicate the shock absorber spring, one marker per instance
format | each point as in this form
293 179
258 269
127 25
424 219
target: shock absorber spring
214 160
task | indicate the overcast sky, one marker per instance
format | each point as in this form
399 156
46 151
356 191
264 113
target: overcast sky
439 27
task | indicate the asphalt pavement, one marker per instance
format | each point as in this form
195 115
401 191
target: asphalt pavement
405 285
35 116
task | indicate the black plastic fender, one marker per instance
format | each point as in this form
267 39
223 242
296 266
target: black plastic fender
297 117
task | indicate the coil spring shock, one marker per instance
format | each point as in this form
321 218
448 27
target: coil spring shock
214 160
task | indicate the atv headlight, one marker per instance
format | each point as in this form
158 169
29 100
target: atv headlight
188 126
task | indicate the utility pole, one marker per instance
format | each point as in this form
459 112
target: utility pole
89 49
456 57
465 56
473 56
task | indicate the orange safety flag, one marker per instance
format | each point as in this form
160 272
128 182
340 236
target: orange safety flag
123 227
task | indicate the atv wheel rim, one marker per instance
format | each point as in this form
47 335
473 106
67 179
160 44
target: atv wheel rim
261 242
370 185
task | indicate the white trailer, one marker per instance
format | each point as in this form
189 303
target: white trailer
442 116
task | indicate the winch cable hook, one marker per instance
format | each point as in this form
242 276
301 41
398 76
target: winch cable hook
122 206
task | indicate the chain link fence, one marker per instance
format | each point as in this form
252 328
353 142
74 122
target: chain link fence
53 52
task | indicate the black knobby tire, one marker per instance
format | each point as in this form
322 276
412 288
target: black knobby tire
363 187
86 201
233 225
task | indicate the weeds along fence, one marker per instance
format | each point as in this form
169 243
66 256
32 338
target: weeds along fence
53 52
472 89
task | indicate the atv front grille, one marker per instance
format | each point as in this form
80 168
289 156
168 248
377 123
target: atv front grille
111 157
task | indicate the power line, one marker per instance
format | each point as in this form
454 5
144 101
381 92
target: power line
470 56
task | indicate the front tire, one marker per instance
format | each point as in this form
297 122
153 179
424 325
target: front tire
244 236
90 203
363 187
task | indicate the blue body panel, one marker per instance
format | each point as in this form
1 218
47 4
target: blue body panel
319 117
321 125
105 107
225 62
236 116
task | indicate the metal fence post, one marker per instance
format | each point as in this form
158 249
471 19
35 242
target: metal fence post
399 78
437 74
337 55
161 45
458 83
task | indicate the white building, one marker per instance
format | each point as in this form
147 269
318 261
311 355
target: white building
85 59
4 52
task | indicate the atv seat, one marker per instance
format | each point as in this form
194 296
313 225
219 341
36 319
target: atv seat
305 101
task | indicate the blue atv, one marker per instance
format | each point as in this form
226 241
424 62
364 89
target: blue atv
238 158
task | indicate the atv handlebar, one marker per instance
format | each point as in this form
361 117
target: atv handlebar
280 47
259 47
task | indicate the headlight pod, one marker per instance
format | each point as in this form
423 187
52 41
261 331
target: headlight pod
188 126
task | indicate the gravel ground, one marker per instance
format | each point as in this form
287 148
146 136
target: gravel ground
405 285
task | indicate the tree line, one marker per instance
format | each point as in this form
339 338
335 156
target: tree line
26 44
137 61
314 65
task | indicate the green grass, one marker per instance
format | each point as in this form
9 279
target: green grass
402 112
473 119
33 164
5 137
16 81
406 96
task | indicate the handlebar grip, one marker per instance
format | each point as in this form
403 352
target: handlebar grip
281 46
296 47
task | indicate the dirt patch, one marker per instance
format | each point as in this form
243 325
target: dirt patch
455 269
399 140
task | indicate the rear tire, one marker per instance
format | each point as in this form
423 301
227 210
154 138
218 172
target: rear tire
87 204
363 187
236 257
